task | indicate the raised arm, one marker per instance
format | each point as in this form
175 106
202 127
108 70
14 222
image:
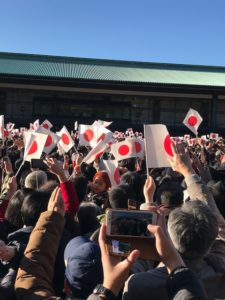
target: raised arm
35 274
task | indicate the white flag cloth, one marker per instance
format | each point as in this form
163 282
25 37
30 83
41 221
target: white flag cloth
47 124
193 120
2 127
66 142
111 166
97 151
157 146
51 141
131 147
101 123
34 145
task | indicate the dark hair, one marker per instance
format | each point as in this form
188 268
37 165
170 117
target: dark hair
49 186
169 193
193 228
88 171
13 211
128 163
118 196
87 217
136 183
80 183
33 205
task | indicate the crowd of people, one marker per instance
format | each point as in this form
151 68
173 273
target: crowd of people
53 232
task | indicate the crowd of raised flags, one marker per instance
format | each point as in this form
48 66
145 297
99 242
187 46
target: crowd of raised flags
155 146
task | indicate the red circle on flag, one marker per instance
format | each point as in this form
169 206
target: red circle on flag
167 145
138 147
101 138
192 121
45 126
48 141
65 139
6 133
88 135
123 150
33 148
117 176
98 154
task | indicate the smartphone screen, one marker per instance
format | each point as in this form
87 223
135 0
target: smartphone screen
129 223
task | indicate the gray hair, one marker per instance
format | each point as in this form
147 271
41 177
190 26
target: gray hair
192 228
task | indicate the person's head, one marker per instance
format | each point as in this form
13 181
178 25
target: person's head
49 186
80 183
118 196
88 171
128 163
101 182
87 217
13 212
192 228
83 266
136 183
33 205
169 194
36 179
218 191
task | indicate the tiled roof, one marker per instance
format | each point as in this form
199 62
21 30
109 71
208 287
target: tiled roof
43 66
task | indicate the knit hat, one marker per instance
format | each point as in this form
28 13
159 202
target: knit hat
35 179
104 175
83 266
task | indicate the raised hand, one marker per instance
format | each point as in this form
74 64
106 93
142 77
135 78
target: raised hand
181 161
115 271
149 189
56 202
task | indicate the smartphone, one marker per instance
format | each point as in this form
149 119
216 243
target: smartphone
128 223
38 164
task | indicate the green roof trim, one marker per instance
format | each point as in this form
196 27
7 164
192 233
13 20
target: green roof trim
44 66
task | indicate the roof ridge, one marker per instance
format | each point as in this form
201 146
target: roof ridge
110 62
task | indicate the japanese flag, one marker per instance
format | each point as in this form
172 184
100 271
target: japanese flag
103 134
111 166
51 141
23 129
10 126
204 137
193 120
87 135
34 145
131 147
187 136
7 134
214 136
157 146
66 142
2 127
35 125
46 124
101 123
96 152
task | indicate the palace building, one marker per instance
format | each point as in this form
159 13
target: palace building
67 89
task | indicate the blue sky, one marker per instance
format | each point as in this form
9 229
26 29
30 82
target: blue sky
168 31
